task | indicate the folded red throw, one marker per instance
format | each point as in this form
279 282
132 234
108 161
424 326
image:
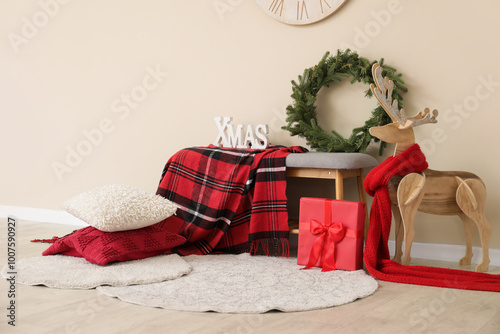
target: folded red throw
376 255
101 247
230 200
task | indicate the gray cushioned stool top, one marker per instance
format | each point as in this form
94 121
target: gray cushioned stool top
332 160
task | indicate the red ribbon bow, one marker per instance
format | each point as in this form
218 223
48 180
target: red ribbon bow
329 233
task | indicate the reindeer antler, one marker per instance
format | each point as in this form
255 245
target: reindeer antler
424 117
383 93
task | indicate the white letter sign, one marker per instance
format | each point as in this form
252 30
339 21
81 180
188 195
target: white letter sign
234 138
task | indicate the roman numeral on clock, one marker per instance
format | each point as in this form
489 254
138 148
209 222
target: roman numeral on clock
301 9
299 12
321 4
275 6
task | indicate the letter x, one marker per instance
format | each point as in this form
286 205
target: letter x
221 128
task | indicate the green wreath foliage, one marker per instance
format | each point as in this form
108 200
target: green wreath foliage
302 114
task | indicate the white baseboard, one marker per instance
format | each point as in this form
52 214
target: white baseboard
431 251
446 252
40 215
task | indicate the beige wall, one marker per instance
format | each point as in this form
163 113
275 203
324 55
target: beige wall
73 73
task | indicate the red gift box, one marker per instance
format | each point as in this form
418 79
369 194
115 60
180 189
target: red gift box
331 234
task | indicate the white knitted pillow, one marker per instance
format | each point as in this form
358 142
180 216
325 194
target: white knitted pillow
114 208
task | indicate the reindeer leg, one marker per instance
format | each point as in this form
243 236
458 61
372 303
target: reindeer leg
484 228
398 233
484 232
469 227
471 197
410 195
408 216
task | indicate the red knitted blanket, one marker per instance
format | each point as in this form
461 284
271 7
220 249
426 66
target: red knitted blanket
101 247
230 200
377 259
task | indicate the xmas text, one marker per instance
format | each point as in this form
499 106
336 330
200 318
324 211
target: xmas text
230 137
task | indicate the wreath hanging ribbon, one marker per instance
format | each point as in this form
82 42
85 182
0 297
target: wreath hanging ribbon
302 114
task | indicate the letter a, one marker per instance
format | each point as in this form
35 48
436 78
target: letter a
60 169
16 40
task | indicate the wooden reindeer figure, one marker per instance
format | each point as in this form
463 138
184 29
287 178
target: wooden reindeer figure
435 192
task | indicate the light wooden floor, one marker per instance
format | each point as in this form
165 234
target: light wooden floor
393 308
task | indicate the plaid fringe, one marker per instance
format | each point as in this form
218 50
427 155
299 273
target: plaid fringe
279 247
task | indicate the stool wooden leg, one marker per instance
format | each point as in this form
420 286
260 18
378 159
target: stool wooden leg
362 198
339 184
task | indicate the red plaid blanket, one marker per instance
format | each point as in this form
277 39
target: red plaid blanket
230 200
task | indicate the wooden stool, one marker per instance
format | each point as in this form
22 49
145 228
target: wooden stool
333 166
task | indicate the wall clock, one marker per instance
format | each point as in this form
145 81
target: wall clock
300 12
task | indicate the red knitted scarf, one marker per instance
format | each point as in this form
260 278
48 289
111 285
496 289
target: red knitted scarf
377 259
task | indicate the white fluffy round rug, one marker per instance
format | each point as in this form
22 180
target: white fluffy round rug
68 272
248 284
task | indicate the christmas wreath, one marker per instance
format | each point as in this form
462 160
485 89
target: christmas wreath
302 114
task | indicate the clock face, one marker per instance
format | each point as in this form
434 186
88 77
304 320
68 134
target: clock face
299 12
